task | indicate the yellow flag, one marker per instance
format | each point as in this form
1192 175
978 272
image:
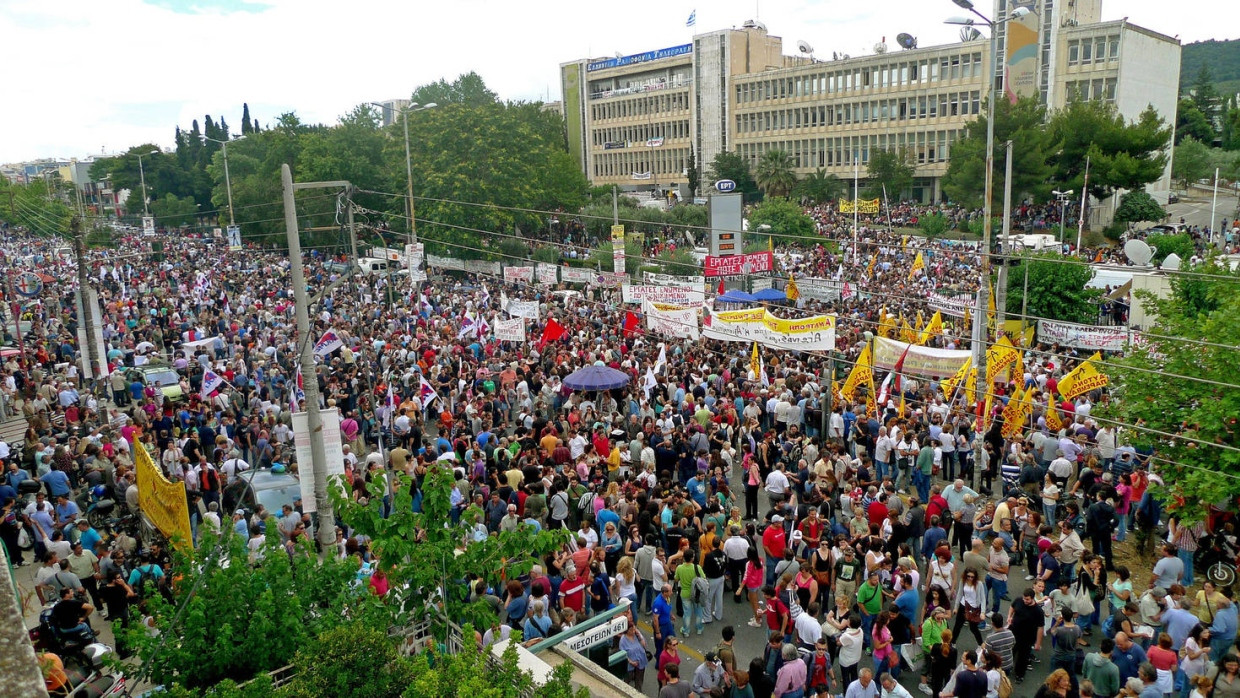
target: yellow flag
932 329
791 291
921 320
755 363
919 263
1083 378
949 384
1000 357
990 408
970 385
1028 335
770 243
162 501
967 322
860 375
907 333
869 268
1011 414
903 243
886 324
1053 422
902 407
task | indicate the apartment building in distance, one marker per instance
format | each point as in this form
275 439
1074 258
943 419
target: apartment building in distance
633 120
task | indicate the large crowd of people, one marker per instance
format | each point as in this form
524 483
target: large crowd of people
873 551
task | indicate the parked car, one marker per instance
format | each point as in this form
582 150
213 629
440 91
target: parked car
262 486
163 376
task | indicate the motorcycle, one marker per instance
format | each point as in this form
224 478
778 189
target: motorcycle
1218 557
82 655
97 505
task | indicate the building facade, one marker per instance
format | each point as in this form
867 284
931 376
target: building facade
633 120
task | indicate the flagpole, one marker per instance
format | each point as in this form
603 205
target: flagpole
855 203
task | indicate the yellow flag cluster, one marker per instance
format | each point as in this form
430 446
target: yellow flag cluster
949 385
861 374
932 329
1083 378
162 501
907 333
886 324
919 264
1016 413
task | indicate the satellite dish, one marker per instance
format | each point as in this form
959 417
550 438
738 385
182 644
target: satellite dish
759 25
968 34
906 40
619 55
1172 262
804 47
1138 252
835 56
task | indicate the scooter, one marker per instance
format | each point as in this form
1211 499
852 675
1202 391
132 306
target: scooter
88 678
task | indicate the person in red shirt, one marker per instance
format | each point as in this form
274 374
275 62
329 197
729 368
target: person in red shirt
774 540
778 619
811 530
877 513
572 591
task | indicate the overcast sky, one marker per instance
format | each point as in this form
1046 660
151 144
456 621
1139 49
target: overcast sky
84 77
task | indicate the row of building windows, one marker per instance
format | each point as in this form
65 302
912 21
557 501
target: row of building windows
667 164
957 67
1085 90
638 134
642 106
1097 50
923 107
927 147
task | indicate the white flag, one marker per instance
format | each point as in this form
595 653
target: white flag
649 382
661 362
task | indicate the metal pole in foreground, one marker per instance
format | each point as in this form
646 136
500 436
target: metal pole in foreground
1004 243
1214 205
413 229
326 526
19 665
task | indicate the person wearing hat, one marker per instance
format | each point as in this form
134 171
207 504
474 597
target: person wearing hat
709 679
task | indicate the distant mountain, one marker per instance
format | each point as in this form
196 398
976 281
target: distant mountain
1223 58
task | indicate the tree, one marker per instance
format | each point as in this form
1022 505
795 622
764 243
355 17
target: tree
788 223
246 126
1121 155
1180 244
1137 206
695 176
933 225
1196 470
1205 96
31 207
173 211
1056 289
818 187
351 660
1191 162
892 170
1231 126
1190 122
1024 123
467 89
774 173
734 167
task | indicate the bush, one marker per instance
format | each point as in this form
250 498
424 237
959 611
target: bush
546 253
511 249
1114 231
1164 245
933 226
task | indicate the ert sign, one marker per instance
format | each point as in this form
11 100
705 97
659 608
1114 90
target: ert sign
725 185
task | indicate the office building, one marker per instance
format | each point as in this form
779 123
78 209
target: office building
391 109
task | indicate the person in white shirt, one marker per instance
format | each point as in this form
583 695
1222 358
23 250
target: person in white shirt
884 454
777 485
233 467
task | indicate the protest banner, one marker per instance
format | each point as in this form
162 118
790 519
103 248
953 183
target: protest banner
696 283
927 362
516 275
671 320
510 330
548 273
674 295
1083 336
445 263
523 309
576 275
816 333
736 265
481 266
1083 378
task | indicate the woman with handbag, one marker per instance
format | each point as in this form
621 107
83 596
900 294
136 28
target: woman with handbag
970 603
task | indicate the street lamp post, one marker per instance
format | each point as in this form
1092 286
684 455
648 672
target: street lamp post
413 229
142 176
1062 197
232 222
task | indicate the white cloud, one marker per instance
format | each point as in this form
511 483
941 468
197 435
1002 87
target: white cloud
73 67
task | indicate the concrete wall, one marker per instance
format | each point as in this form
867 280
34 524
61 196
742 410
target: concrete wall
1149 74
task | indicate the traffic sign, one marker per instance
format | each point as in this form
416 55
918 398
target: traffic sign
725 185
595 635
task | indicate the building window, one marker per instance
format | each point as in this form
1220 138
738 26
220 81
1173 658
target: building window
1113 43
1109 90
1086 52
1074 53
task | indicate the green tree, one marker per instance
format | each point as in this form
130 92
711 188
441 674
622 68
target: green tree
892 169
1196 470
1231 127
788 222
174 211
468 89
351 660
734 167
1191 162
34 207
1121 155
1190 122
1056 288
468 674
818 187
774 173
1137 206
933 225
1181 244
1023 123
1205 96
246 126
679 262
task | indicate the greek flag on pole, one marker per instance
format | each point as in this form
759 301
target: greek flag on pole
296 395
426 392
328 343
211 381
692 21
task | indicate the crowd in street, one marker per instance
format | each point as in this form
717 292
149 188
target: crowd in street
876 551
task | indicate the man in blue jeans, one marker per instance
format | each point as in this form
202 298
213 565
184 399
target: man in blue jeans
664 624
997 572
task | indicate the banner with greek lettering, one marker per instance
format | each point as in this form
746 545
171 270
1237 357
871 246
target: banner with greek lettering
415 259
548 273
671 320
738 264
162 501
696 283
927 362
954 306
1083 336
511 330
523 309
674 295
479 266
816 333
861 206
517 275
445 263
608 278
576 275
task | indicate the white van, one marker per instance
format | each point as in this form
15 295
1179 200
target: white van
372 265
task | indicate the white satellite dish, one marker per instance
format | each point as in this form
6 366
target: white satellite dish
804 47
1138 252
1171 263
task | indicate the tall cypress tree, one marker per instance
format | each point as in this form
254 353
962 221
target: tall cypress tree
246 127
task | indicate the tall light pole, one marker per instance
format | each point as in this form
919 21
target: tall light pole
1062 197
414 106
142 176
227 181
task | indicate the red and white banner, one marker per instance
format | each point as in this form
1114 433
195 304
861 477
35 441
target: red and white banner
1083 336
512 330
735 265
671 320
519 274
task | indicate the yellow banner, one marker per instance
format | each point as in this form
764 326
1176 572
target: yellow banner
1083 378
163 502
617 233
791 290
862 206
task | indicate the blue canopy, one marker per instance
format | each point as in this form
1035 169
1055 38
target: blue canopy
596 378
735 296
770 294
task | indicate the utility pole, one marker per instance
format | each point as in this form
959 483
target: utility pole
615 205
1005 245
828 380
326 526
413 228
87 319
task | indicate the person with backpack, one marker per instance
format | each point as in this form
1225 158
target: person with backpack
146 571
715 567
694 592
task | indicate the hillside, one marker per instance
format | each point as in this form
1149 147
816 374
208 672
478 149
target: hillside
1223 58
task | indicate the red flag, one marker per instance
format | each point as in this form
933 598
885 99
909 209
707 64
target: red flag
721 290
551 332
899 369
631 323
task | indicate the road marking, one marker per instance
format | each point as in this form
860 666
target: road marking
645 627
